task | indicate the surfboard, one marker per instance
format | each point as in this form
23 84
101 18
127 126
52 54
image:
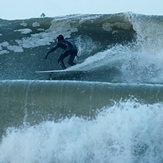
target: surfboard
59 71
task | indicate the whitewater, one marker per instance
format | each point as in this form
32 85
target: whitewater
109 111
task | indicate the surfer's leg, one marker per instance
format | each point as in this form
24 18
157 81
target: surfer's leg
71 58
61 63
61 58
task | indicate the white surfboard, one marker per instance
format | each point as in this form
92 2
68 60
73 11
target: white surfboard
59 71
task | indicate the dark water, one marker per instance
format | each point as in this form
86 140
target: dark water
110 112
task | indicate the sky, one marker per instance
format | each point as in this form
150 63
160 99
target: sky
24 9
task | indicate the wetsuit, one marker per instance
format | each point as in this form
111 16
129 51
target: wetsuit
69 50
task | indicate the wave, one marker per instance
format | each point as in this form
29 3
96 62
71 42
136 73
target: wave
36 101
126 132
111 110
128 42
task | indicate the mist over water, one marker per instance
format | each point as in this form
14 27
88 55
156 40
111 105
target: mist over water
110 112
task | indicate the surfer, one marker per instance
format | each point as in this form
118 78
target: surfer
69 50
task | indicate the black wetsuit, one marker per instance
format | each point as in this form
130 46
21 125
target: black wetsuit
69 49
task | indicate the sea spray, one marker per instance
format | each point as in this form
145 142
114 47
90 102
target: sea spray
126 132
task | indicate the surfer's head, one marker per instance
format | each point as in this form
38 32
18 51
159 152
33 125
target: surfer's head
60 37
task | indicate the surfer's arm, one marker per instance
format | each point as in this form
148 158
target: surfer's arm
51 50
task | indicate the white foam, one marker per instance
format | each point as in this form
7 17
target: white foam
36 24
15 48
23 24
36 40
126 132
24 31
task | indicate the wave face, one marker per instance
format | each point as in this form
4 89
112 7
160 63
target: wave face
109 111
126 45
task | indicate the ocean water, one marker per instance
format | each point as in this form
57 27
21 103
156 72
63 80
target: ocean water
110 112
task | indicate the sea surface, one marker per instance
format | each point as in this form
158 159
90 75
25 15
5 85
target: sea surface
108 110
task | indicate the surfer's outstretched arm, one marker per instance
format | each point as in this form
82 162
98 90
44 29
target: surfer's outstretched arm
51 50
